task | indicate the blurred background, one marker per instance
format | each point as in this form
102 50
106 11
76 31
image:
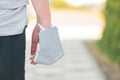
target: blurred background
89 32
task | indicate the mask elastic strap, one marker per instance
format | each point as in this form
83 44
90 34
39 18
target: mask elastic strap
41 27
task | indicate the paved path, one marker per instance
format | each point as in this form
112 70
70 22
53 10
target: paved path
77 64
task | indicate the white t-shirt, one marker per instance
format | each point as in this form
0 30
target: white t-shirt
13 17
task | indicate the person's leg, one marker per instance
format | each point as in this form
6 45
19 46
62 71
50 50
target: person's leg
12 57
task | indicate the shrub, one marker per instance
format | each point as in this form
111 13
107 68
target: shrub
59 4
110 43
62 4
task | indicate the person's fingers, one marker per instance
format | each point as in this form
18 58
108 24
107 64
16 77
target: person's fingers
35 41
32 62
32 57
33 48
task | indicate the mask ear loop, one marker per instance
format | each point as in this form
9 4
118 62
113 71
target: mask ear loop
41 27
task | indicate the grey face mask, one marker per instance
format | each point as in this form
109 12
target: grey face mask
49 49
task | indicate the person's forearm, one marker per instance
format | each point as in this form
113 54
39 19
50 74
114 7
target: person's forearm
42 10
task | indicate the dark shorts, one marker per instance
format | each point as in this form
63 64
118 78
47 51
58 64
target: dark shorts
12 57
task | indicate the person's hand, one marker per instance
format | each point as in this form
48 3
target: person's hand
35 41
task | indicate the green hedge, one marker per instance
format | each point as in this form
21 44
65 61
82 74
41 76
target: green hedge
59 4
110 43
62 4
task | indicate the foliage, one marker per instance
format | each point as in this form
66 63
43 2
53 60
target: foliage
62 4
110 43
59 4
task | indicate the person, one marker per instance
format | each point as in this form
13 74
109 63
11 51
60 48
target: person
13 23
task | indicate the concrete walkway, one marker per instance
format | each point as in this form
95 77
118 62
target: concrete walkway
77 64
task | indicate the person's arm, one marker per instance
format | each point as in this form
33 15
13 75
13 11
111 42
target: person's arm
42 10
43 15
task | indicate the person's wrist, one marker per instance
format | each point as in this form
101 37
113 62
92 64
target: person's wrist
42 27
37 28
45 25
